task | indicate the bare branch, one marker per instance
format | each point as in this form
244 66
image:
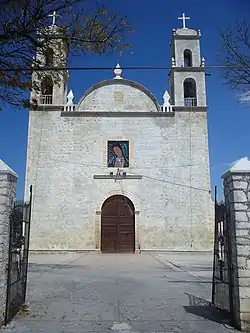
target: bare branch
236 54
82 28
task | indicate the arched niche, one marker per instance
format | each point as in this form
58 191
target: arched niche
49 57
188 61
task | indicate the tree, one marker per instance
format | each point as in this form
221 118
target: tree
24 28
236 56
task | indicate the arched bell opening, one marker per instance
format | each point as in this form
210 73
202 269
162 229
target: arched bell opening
46 90
190 97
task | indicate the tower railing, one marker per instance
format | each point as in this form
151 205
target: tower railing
69 108
46 99
190 101
168 108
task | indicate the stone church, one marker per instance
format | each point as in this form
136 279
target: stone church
119 171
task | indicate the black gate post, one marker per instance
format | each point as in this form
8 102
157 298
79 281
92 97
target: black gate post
215 243
230 270
18 258
9 280
26 243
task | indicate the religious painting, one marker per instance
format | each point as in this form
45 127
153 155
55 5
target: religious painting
118 154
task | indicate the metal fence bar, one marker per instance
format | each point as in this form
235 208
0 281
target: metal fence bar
230 270
190 101
27 241
222 260
6 317
18 258
215 242
46 99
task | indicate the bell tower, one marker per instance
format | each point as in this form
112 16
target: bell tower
50 84
187 76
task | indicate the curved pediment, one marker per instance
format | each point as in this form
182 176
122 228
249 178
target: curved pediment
118 95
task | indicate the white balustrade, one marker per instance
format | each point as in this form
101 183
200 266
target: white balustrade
168 108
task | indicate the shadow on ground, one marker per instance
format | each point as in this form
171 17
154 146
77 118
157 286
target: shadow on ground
206 310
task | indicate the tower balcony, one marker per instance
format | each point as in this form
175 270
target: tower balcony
46 99
190 101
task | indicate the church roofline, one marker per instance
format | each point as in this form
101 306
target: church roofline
123 82
186 37
5 169
186 34
187 69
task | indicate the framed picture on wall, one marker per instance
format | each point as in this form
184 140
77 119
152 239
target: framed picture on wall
118 154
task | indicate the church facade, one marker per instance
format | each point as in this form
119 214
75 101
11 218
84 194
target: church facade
118 171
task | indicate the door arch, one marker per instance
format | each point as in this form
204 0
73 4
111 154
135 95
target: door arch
118 225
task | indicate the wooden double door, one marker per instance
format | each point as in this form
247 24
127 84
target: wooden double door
118 225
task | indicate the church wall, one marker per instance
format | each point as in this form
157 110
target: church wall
64 153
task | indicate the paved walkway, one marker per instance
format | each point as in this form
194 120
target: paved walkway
162 292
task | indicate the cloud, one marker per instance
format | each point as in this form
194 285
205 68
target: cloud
245 97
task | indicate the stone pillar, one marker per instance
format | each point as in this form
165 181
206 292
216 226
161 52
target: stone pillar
8 180
237 201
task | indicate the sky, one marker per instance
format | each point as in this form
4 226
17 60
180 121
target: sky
153 21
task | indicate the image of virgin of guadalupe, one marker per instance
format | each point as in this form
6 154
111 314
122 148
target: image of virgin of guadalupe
118 155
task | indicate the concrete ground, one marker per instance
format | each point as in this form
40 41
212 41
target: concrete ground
148 292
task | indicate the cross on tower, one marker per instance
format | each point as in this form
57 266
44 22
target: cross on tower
184 18
54 15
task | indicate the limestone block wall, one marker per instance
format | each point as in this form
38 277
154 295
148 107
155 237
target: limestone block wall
235 295
8 182
237 199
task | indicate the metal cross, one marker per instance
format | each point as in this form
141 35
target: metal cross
54 15
184 18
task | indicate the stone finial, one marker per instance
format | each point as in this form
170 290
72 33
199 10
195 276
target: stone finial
166 98
202 62
70 98
173 62
4 168
174 31
118 72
